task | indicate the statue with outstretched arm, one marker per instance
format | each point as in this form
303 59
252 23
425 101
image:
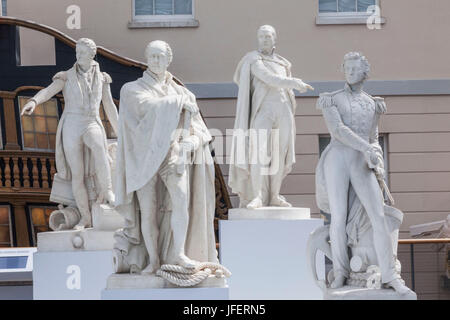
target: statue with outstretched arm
81 149
262 151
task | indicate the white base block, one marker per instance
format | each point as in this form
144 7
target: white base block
137 281
70 275
268 259
75 240
355 293
271 213
166 294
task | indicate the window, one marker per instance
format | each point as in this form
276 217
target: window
345 5
347 11
39 129
163 13
39 219
162 7
6 239
3 8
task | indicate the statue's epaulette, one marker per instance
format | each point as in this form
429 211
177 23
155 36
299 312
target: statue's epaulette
107 78
326 99
380 105
62 75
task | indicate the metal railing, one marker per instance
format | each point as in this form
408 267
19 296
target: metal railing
413 242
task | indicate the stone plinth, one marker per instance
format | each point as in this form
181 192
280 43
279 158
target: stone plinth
75 240
268 256
269 213
356 293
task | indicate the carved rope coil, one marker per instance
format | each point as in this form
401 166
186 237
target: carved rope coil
187 277
192 279
199 267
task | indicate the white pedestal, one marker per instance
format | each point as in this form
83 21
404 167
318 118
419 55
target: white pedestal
269 213
166 294
70 275
267 258
354 293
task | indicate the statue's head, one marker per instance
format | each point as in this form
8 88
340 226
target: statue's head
159 56
356 68
86 50
267 37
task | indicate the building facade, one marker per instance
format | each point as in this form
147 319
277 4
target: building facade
403 41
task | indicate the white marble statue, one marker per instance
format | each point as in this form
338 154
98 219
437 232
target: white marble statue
82 161
165 175
350 185
265 114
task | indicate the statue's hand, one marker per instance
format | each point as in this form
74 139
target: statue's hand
28 108
189 105
373 159
301 86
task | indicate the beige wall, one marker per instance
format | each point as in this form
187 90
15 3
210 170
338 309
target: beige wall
411 45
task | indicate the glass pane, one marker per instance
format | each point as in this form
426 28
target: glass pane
42 141
163 7
143 7
51 108
52 141
347 5
4 234
28 140
4 8
37 216
183 6
39 110
27 123
13 262
48 212
364 4
52 124
327 6
39 124
4 215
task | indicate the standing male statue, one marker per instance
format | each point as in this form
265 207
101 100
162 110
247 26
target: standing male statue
349 182
167 200
265 114
82 160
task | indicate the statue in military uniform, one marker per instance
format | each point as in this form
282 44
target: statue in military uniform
350 181
81 152
262 151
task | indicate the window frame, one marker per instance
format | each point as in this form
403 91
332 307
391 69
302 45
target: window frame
162 17
3 5
22 133
30 207
344 17
11 235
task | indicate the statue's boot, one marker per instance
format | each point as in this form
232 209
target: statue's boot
85 222
184 261
338 282
151 268
399 286
279 201
255 203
